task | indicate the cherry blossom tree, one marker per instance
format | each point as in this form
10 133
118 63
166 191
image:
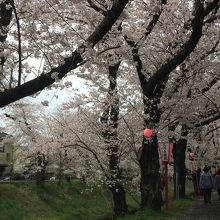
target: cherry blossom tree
42 21
112 142
155 37
155 78
191 107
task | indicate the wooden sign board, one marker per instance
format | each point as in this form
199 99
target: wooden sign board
165 150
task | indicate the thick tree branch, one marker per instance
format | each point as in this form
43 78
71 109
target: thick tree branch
107 22
97 8
135 45
19 43
185 68
5 19
207 120
214 129
72 62
185 51
152 23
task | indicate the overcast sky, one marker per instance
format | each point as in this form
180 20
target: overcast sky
55 97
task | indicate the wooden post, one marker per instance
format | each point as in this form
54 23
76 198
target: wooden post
166 183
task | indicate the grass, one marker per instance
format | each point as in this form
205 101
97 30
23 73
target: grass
175 208
70 201
26 201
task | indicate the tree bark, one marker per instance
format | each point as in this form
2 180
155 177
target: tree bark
150 186
72 62
2 169
119 199
179 156
110 120
5 19
42 163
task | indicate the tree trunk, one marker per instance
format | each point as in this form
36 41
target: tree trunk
42 166
110 120
150 186
2 169
116 186
179 156
60 168
119 199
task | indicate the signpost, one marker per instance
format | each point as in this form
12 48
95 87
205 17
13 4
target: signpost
166 150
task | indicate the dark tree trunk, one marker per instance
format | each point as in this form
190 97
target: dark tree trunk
116 187
110 120
42 164
119 199
150 186
40 178
60 169
179 156
2 169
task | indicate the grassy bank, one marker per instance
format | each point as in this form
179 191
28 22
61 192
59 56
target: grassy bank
69 201
21 201
173 213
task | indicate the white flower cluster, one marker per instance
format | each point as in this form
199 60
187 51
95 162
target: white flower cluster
76 1
8 7
2 1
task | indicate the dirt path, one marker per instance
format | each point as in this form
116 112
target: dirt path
201 211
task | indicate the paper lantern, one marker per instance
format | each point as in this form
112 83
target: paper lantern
148 132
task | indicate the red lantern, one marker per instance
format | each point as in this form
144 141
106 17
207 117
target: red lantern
148 133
